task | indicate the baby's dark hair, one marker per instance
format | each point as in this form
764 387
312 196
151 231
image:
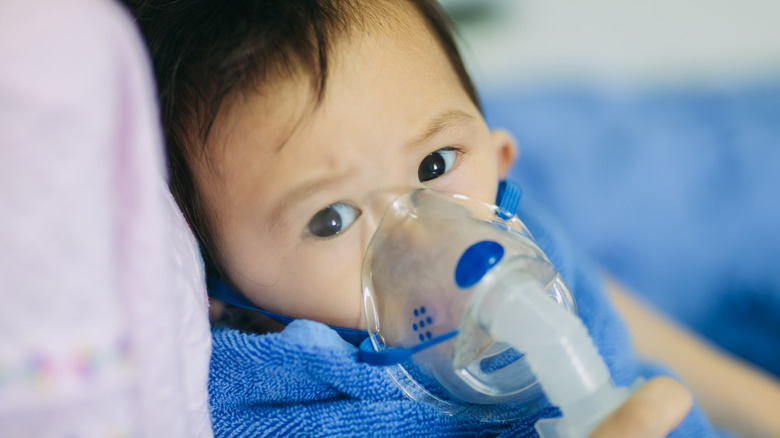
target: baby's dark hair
206 53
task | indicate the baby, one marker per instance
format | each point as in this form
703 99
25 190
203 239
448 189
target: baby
297 169
290 125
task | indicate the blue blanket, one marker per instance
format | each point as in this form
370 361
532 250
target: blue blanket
675 191
306 380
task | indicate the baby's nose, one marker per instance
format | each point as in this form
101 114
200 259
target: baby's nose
380 200
377 206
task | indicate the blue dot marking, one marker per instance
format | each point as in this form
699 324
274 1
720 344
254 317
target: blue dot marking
422 338
416 312
422 310
429 320
476 261
414 327
428 335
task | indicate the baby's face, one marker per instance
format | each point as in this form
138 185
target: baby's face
298 190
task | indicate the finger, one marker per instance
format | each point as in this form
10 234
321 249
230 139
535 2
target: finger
651 412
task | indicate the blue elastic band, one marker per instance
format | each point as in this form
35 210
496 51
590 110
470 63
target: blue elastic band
507 200
220 290
396 355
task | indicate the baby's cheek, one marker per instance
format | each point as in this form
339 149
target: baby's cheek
477 178
481 186
327 284
486 182
252 269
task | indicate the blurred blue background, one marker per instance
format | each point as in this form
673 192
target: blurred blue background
652 131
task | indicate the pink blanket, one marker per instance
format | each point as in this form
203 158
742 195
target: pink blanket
103 311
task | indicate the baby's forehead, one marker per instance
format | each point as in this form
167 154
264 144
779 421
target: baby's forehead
284 103
265 124
388 22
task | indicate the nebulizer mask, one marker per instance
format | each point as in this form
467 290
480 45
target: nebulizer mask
469 315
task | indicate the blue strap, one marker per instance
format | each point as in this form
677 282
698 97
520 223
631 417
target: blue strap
222 291
507 200
396 355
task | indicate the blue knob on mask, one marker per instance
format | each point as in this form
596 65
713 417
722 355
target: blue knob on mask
476 261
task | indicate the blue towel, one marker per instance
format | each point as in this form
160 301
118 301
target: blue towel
307 381
675 191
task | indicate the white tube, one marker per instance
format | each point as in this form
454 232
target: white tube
558 349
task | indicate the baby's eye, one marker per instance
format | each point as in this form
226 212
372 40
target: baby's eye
436 164
332 220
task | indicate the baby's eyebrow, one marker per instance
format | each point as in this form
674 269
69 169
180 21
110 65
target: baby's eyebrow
303 191
447 119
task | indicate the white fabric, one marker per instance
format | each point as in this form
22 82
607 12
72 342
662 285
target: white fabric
103 310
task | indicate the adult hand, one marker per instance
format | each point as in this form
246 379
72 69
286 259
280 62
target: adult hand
652 411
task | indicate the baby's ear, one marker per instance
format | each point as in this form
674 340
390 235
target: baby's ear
506 150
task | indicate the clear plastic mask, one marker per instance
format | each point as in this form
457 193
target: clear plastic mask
433 258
